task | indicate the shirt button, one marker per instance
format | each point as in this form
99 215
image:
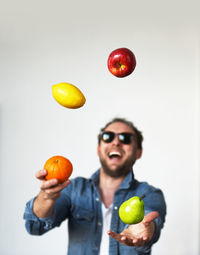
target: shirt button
99 223
97 199
48 225
115 207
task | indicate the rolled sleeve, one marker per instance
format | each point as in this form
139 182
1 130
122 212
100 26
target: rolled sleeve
35 225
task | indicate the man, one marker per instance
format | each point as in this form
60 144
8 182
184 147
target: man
91 205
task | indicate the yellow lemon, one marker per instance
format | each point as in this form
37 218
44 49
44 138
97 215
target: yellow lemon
68 95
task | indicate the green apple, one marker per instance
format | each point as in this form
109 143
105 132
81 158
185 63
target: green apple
132 210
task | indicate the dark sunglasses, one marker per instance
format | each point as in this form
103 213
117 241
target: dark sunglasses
125 138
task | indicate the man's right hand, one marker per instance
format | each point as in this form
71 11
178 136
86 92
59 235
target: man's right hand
50 190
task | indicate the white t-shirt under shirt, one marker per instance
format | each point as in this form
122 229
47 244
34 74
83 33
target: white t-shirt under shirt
106 214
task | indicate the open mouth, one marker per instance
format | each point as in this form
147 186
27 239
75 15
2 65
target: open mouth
114 154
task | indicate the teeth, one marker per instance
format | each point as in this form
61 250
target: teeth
114 153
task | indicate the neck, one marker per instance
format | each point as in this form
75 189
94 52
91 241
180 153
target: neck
108 186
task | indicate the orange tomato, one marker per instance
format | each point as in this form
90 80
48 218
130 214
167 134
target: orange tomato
58 167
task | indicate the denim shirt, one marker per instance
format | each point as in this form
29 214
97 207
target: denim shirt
80 203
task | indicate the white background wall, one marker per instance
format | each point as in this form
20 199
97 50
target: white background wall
46 42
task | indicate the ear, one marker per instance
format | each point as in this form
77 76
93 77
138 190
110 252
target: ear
139 153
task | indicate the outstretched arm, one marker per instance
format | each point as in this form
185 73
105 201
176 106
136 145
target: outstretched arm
39 214
49 192
137 234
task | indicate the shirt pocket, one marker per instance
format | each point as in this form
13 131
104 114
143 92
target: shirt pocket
81 224
83 214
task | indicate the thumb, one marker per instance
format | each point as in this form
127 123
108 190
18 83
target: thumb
150 217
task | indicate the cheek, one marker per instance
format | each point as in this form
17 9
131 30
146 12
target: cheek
132 152
100 150
103 151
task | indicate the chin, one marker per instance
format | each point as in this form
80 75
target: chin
117 172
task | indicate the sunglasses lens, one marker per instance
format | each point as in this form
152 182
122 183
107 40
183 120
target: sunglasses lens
107 137
125 138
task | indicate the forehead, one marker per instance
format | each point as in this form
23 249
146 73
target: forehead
119 127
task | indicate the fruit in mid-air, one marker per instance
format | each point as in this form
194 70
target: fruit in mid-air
68 95
58 167
121 62
132 210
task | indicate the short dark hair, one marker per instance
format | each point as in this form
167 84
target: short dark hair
138 133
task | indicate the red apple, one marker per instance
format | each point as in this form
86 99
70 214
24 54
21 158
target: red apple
121 62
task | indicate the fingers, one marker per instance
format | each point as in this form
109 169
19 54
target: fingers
120 238
51 188
139 241
50 183
41 174
54 185
126 240
113 235
150 217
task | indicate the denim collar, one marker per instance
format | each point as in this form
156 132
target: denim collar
126 183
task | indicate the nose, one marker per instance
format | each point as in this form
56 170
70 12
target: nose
116 141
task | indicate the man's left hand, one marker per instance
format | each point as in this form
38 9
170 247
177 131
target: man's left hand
137 234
